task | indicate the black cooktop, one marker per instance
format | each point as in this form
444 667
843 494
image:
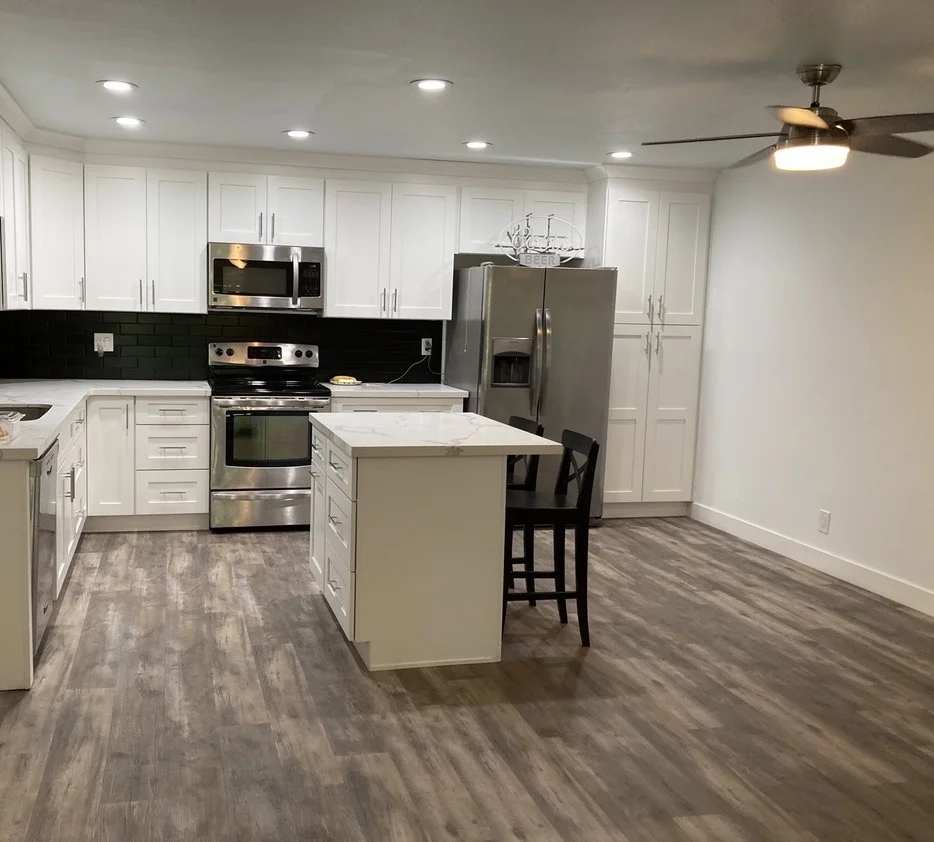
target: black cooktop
246 386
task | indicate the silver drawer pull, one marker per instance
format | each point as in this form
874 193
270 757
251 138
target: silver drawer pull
164 447
335 520
172 411
332 584
180 493
315 474
336 466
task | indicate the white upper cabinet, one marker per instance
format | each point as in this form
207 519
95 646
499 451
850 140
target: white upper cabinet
176 242
14 187
57 216
671 418
629 392
284 210
681 269
423 240
357 222
237 208
296 211
631 245
485 212
115 237
565 207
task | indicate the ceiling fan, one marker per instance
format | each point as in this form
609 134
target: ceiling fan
816 138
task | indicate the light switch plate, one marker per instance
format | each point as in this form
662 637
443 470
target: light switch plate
103 342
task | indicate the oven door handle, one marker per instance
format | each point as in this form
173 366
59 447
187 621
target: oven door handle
280 496
295 271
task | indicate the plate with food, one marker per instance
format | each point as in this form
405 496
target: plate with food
345 380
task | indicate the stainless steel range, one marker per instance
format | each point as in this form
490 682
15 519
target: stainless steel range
261 395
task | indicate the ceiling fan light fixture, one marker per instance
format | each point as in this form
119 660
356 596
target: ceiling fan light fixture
818 154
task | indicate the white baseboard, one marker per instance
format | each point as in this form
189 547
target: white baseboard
616 510
891 587
147 523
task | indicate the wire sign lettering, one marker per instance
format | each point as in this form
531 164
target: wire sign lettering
541 241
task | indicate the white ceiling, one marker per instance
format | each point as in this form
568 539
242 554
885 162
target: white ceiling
544 80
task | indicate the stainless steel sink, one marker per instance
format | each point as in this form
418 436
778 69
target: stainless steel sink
31 411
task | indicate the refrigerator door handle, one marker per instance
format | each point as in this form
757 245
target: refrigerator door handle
538 347
546 368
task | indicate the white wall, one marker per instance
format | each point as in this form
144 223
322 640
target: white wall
818 372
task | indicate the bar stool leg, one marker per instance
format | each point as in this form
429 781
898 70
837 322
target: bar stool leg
581 549
528 550
560 540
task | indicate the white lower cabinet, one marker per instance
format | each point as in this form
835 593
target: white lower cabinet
396 405
339 588
318 522
71 504
111 456
172 492
654 390
161 447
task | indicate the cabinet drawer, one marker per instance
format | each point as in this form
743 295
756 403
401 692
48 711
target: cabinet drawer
171 492
319 445
339 589
340 522
74 427
172 447
396 405
172 410
340 470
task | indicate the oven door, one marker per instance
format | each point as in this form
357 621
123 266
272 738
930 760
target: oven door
261 443
261 277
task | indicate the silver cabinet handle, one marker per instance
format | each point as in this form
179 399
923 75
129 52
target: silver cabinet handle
164 411
164 447
395 301
273 237
661 318
83 289
126 410
261 227
651 309
153 294
658 343
382 301
315 474
180 493
70 492
332 584
334 520
648 343
140 293
546 370
335 466
25 286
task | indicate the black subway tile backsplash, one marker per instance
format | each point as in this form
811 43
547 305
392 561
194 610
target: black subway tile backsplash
156 346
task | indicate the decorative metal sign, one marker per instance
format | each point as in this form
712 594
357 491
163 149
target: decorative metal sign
541 241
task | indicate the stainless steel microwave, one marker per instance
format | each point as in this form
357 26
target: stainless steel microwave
245 276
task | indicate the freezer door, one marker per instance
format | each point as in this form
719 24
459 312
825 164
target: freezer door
512 350
578 329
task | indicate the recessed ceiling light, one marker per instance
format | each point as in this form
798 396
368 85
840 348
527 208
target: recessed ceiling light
129 122
298 134
621 154
115 86
431 84
477 144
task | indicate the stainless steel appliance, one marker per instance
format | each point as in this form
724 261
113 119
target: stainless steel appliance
257 277
537 343
42 478
261 395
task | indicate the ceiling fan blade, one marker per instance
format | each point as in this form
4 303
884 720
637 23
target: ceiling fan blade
897 147
709 139
761 155
889 124
798 116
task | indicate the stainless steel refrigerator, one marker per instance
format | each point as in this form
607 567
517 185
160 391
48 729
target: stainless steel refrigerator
536 343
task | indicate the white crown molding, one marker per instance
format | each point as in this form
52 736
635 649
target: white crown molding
634 172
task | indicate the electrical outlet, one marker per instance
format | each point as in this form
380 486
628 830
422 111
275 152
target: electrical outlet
426 347
823 523
103 343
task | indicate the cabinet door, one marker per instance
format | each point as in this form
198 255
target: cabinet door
485 212
177 235
631 244
318 524
681 271
296 211
57 215
629 393
566 207
236 208
111 456
15 208
357 244
671 424
422 251
115 237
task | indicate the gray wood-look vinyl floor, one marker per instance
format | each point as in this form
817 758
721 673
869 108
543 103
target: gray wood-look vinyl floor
195 687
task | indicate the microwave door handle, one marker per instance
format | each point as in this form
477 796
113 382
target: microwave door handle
295 270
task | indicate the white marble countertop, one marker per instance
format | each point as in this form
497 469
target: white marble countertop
397 390
427 434
35 437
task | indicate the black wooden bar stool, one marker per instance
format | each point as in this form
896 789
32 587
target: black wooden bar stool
522 475
561 511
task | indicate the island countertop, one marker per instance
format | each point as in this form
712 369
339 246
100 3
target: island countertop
427 434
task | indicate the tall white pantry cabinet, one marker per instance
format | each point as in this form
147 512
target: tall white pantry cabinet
654 227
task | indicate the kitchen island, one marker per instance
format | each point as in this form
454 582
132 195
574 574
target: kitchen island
408 518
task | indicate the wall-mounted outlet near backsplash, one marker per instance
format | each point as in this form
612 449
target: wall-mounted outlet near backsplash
157 346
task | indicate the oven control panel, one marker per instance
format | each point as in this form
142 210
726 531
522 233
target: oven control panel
262 354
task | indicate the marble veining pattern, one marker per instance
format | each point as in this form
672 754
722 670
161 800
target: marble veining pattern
427 434
64 395
397 390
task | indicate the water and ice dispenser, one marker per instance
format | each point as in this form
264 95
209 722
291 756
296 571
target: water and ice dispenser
512 362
